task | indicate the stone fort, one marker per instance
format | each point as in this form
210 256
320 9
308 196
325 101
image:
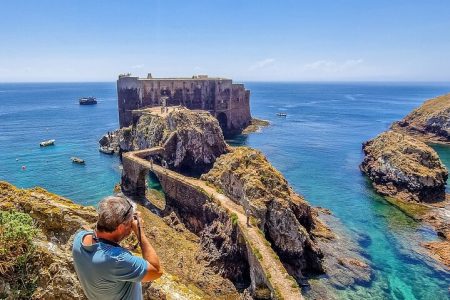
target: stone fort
227 101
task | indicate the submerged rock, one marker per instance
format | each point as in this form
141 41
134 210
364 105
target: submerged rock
404 168
429 122
286 219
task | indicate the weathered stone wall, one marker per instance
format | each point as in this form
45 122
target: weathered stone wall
226 101
223 240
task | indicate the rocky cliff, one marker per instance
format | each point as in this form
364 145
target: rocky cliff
192 139
430 122
404 168
49 273
286 219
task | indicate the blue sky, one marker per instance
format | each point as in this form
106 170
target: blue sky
335 40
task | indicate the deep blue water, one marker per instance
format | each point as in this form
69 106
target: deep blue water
317 147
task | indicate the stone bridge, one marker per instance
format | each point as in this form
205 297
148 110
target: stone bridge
191 195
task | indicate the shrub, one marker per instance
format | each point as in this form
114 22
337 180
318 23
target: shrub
234 218
16 251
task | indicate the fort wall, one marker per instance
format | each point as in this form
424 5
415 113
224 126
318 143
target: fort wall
227 101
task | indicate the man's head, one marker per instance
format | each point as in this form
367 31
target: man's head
115 215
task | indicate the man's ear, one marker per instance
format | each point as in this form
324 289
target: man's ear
121 227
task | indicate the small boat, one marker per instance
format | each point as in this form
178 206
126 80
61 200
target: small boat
282 114
88 101
47 143
106 150
77 160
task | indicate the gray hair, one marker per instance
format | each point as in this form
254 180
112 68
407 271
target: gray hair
113 211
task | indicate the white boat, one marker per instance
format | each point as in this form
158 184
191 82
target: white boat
106 150
77 160
47 143
282 114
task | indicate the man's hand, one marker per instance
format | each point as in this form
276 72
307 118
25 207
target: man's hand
135 224
154 269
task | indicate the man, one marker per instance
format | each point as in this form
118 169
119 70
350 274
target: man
104 268
248 212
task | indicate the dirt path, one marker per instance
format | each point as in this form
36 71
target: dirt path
283 285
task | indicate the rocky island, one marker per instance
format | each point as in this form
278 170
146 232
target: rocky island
404 168
409 173
430 122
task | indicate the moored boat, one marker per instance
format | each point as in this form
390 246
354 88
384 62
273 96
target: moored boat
282 114
106 150
88 100
47 143
77 160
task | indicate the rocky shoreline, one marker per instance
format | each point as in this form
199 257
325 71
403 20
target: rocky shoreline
287 221
255 125
409 173
211 255
430 122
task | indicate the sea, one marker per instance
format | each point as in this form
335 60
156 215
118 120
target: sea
317 147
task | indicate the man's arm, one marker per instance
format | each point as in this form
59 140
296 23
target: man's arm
154 270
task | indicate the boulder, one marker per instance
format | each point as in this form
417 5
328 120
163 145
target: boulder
405 168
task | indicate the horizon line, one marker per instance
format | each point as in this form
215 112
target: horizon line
251 81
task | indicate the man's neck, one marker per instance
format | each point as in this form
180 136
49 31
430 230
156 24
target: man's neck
112 237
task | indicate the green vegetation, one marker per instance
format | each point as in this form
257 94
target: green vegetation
414 210
16 251
257 254
234 218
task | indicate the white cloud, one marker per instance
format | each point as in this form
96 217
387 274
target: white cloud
137 66
262 64
333 66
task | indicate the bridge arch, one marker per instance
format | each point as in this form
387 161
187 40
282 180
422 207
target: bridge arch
223 120
193 198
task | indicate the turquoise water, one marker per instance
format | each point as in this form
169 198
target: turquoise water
31 113
317 147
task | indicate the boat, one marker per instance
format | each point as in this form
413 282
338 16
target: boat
106 150
47 143
282 114
88 101
77 160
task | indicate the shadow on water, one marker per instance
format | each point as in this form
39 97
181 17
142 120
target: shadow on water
237 140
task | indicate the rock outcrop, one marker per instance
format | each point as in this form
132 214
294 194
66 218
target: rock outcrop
192 139
58 220
111 140
404 168
430 122
246 177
